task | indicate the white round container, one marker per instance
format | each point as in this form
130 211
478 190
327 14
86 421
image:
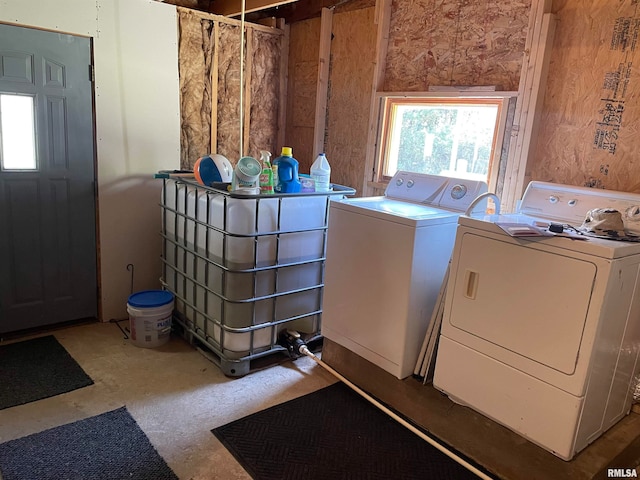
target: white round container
150 314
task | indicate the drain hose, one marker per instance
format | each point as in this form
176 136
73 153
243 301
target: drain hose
302 349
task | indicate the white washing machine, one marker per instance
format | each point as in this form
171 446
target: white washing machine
385 262
542 334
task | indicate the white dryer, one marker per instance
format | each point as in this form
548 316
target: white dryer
542 334
385 262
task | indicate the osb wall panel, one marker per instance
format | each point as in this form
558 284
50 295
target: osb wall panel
304 41
265 93
349 100
199 39
455 42
589 122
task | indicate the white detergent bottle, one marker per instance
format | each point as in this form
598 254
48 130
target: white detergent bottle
321 173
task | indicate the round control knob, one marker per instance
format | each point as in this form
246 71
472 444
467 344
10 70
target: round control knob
399 181
553 199
572 202
410 183
458 191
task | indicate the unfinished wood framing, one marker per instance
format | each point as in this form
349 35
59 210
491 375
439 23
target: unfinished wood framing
264 127
195 130
322 85
232 8
382 20
349 94
210 87
246 104
301 90
284 81
428 43
528 107
214 91
330 69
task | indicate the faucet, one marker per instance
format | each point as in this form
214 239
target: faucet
481 197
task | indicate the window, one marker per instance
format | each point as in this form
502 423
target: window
457 135
17 132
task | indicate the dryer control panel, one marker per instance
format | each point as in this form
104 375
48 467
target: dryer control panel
570 204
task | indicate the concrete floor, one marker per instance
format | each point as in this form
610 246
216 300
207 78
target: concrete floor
177 396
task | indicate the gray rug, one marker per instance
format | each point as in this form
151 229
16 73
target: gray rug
35 369
333 434
110 446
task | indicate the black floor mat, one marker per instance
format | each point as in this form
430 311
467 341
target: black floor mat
331 434
35 369
110 446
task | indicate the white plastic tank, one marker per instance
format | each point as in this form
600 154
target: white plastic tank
236 232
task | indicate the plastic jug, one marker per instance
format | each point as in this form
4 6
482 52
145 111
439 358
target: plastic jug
288 179
321 173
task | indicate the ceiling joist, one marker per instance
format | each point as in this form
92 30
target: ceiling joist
232 8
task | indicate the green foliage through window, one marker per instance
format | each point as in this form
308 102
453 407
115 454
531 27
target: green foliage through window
452 136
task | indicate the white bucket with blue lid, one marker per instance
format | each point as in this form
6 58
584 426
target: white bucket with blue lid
150 314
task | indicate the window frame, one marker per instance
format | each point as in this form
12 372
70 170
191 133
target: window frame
385 101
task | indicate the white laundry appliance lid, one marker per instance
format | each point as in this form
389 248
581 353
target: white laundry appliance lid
417 199
395 210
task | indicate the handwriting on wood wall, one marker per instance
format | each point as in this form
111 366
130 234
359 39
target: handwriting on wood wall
589 132
614 90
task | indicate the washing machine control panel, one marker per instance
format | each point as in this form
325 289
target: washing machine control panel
434 190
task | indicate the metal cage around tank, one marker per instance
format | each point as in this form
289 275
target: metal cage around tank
243 268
